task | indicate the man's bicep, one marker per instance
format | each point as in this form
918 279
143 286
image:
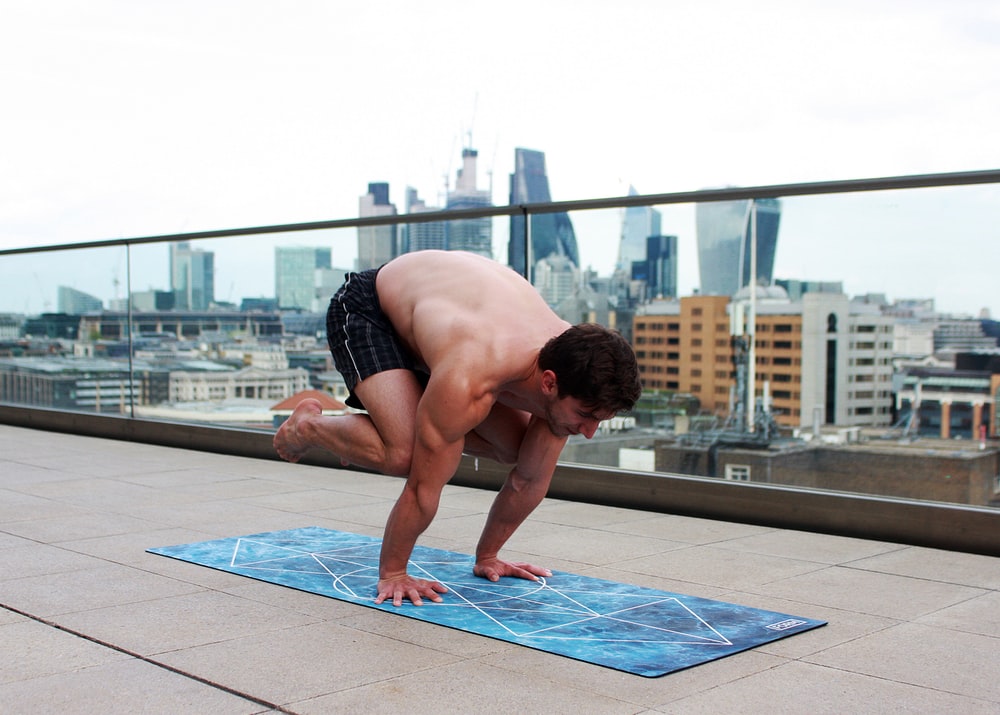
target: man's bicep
450 408
443 418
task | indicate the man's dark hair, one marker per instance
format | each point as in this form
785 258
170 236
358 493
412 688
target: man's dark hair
595 365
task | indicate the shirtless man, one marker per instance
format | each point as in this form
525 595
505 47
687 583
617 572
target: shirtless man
445 352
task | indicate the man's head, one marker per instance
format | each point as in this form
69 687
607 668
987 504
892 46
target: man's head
595 365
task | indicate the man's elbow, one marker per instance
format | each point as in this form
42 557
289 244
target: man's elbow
520 483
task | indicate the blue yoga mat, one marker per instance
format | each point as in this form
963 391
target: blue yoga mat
637 630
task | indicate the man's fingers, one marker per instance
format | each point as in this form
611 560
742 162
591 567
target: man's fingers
535 570
493 569
409 589
529 571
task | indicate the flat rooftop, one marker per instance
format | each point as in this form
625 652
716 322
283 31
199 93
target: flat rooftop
90 622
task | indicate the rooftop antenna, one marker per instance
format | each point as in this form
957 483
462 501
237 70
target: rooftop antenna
115 272
472 122
489 170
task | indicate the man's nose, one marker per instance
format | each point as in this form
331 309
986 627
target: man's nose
589 428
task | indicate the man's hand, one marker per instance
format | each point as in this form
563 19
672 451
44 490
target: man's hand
405 586
493 568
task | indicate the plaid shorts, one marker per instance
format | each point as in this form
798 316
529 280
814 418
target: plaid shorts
361 338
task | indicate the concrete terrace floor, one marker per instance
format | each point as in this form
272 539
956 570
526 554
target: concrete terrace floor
91 623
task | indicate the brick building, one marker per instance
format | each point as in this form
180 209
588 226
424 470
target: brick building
822 360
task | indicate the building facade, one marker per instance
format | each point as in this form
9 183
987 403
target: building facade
809 356
950 400
848 348
114 325
475 234
73 301
248 383
75 384
377 245
424 236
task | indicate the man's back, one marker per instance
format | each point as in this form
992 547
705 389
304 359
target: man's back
447 305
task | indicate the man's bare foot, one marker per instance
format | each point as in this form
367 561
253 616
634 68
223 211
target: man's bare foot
290 442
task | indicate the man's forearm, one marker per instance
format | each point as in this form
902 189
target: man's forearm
415 509
407 521
515 501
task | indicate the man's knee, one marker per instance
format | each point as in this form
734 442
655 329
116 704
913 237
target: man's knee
397 461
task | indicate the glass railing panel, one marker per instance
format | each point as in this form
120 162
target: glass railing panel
873 368
226 330
623 259
874 357
49 355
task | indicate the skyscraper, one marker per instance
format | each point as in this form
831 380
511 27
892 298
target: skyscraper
474 234
296 275
377 245
422 236
659 270
551 233
556 279
724 234
638 224
192 276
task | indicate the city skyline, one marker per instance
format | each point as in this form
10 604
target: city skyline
254 260
884 227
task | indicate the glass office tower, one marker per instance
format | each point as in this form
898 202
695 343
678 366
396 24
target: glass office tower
551 233
659 270
296 275
638 224
724 233
192 276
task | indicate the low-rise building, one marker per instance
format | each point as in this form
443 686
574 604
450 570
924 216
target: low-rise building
821 359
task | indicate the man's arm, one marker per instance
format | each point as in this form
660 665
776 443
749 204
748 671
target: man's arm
524 489
447 410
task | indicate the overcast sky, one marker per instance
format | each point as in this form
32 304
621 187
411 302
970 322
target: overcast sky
126 118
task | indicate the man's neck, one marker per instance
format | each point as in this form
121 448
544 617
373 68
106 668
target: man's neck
524 394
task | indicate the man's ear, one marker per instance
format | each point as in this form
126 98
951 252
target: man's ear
550 384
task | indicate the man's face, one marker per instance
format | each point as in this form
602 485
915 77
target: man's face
568 416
